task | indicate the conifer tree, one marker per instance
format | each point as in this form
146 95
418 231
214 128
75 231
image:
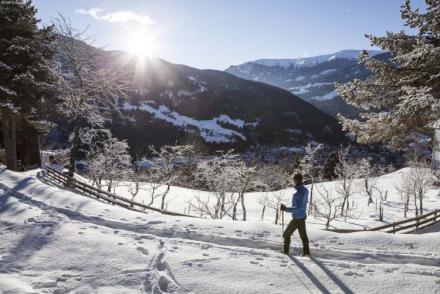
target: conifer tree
402 97
26 79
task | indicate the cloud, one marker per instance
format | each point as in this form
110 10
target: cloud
122 16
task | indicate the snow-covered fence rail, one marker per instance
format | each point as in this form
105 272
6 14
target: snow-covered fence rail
104 195
412 224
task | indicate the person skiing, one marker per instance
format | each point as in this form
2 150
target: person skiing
298 211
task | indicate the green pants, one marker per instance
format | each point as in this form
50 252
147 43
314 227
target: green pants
294 224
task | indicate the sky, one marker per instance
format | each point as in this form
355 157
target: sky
218 33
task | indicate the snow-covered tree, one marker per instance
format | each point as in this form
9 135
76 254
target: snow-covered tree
26 79
328 205
93 142
245 180
403 95
346 171
274 178
107 157
217 174
163 165
421 180
89 87
308 169
366 171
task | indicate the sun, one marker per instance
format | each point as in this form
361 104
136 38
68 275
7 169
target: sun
142 43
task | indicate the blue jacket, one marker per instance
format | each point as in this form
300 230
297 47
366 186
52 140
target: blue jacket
299 202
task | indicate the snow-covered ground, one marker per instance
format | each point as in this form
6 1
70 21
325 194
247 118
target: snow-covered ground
56 241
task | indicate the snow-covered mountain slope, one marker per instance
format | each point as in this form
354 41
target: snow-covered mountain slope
56 241
169 103
314 60
311 78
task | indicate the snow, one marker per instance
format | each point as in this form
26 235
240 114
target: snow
8 91
56 241
310 61
306 88
328 71
210 130
327 96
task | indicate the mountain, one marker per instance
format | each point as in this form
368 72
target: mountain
311 78
171 103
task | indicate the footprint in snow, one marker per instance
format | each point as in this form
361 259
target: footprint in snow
206 246
253 262
142 250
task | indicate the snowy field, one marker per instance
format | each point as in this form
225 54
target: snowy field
56 241
361 216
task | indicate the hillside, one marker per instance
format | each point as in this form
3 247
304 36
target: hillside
56 241
310 78
171 103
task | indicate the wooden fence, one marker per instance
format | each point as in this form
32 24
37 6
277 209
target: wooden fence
104 195
412 224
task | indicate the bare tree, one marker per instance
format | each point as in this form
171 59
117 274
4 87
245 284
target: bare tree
88 87
163 165
246 179
217 175
307 166
347 172
328 206
403 186
263 201
366 172
274 178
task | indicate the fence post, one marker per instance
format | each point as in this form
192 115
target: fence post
417 223
394 227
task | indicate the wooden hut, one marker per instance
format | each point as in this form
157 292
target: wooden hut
28 132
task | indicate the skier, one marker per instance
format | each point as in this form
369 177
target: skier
298 210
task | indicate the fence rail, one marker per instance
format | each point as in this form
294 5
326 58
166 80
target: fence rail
412 224
104 195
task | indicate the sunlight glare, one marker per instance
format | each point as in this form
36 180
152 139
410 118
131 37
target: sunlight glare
142 43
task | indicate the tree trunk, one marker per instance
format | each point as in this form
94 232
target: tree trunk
234 211
343 206
74 149
415 205
311 198
162 205
9 125
421 204
262 213
243 207
276 215
109 185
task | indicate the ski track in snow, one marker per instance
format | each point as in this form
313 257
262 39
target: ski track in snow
176 257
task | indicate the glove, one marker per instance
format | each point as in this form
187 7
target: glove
283 207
